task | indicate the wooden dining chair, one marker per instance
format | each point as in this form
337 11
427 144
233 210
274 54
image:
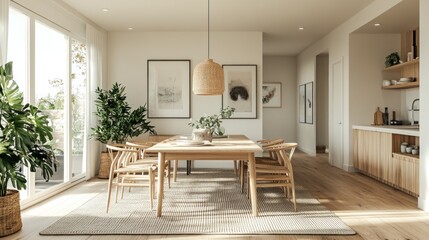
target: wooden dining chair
124 174
271 175
270 159
143 156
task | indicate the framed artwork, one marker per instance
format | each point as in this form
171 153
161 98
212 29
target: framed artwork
272 95
168 90
240 90
309 103
301 92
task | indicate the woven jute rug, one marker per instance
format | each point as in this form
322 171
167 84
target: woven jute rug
205 202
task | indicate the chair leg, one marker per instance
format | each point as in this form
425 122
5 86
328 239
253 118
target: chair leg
169 174
241 165
292 185
235 166
109 191
248 186
117 188
176 166
151 188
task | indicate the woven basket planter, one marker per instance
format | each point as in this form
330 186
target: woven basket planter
10 213
104 165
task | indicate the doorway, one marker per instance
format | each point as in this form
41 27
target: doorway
322 100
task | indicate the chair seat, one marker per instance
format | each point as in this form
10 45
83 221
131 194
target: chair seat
135 169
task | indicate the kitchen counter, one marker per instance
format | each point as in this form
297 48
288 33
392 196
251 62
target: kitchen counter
410 130
377 153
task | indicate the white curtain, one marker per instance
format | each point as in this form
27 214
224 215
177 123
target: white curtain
96 43
4 21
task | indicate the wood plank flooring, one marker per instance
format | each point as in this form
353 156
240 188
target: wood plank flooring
372 209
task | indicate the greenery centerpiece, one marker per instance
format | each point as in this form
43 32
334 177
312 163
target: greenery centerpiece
25 134
213 122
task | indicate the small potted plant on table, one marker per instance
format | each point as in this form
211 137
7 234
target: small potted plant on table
212 123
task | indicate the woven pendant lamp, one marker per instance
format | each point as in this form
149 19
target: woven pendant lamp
208 76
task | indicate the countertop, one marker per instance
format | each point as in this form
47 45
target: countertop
396 129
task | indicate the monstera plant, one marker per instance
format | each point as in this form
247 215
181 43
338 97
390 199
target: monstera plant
24 137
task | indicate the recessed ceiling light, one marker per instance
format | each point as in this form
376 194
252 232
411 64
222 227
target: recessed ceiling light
301 28
130 28
105 9
377 24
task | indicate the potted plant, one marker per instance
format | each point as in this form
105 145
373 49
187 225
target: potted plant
213 122
116 121
392 59
24 137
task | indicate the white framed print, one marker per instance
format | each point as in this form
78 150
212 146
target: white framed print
168 90
272 95
240 90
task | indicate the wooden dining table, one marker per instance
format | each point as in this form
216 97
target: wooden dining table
232 147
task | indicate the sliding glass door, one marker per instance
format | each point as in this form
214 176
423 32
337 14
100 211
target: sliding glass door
50 67
51 77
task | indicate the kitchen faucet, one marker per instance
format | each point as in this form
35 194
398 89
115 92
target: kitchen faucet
414 110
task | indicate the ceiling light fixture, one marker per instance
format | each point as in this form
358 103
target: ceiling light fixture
377 24
208 78
301 28
130 28
105 9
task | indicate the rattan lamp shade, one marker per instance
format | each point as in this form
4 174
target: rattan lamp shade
208 79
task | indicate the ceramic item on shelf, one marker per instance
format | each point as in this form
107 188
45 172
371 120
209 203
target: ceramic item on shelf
405 79
415 151
386 83
404 145
409 149
394 82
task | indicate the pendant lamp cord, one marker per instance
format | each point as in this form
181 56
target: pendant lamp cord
208 29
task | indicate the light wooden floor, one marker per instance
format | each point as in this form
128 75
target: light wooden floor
372 209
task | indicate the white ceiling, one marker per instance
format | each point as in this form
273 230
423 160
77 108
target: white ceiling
277 19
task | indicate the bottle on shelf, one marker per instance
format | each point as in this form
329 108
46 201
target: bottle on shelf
386 116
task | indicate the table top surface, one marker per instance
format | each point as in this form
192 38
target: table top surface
231 143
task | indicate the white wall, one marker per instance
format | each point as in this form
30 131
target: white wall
367 54
424 106
322 100
280 122
127 62
337 44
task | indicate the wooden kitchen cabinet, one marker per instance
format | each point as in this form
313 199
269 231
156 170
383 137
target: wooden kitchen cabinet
377 155
372 153
406 173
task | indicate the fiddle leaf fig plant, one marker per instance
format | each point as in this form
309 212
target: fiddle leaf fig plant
213 122
24 136
116 121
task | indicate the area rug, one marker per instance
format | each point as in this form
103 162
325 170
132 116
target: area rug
205 202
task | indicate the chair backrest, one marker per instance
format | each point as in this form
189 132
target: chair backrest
140 147
120 155
265 144
284 153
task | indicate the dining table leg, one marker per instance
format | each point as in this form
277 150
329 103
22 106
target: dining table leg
252 181
161 167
